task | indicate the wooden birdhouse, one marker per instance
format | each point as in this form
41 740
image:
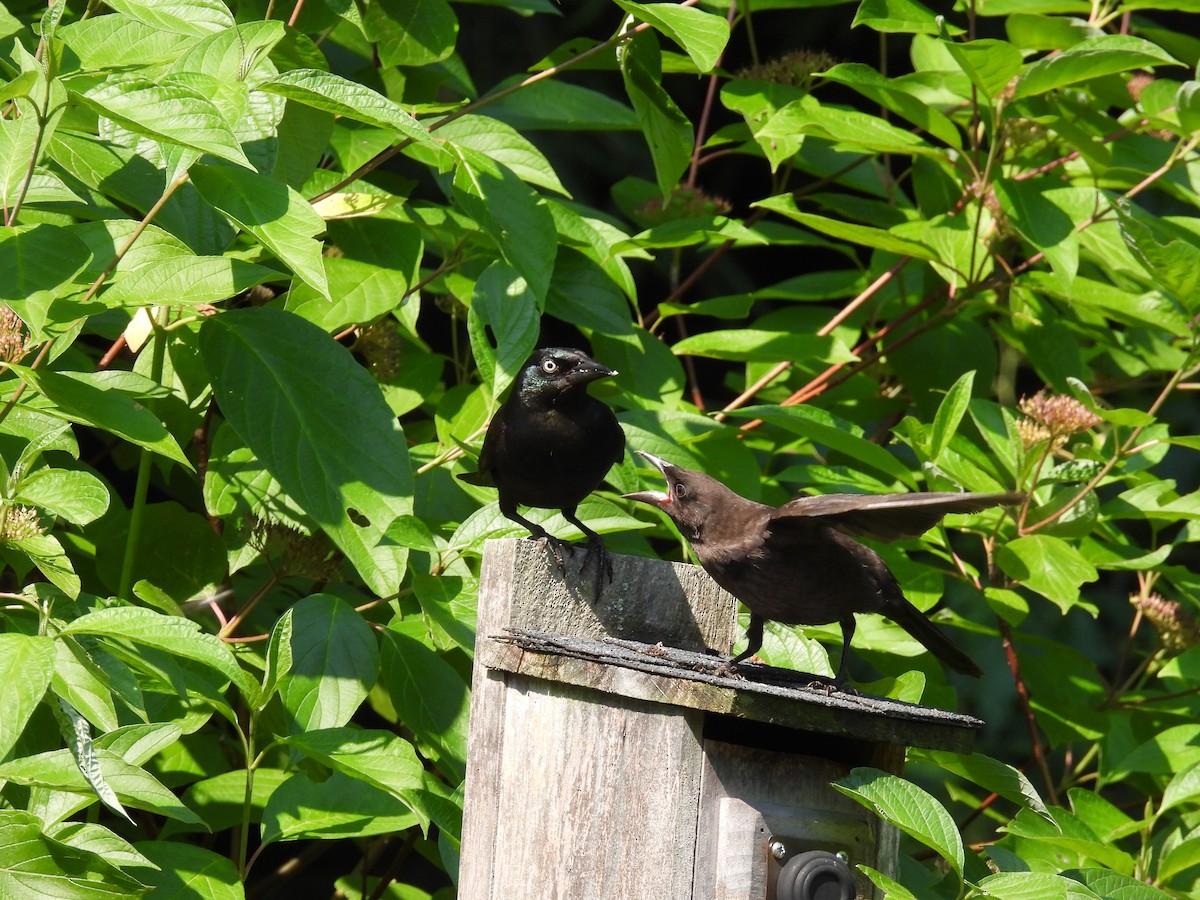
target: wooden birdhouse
607 760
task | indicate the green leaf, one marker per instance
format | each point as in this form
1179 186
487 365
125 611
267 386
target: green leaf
342 97
80 680
86 398
990 64
1172 261
166 111
1183 788
338 807
991 774
271 211
914 811
950 413
426 692
76 495
825 430
785 204
556 105
34 866
896 95
854 131
365 290
117 42
1048 565
334 663
506 145
88 760
221 800
171 634
40 263
186 281
668 131
1029 886
896 17
185 870
177 552
410 32
503 307
134 786
514 216
192 17
754 344
229 53
316 420
701 34
46 552
26 667
379 758
1049 228
98 839
1092 58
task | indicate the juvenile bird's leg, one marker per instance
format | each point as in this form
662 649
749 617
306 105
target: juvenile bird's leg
595 547
848 626
754 639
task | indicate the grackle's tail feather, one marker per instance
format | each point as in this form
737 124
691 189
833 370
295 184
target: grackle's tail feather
935 641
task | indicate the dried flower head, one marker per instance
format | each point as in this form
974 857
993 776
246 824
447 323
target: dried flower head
451 306
20 522
796 69
308 555
381 347
1176 627
14 344
1053 417
683 203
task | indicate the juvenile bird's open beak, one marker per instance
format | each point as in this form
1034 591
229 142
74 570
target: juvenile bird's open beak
654 498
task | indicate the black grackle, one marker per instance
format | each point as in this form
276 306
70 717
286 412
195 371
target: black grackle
551 444
798 563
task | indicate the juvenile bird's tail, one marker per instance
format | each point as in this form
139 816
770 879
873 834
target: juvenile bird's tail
912 620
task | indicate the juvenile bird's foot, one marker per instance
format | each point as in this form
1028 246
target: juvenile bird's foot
729 669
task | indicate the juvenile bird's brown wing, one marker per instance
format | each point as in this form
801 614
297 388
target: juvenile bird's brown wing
885 517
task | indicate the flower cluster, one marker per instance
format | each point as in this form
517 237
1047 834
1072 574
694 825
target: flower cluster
13 342
683 203
1177 628
381 347
1053 418
20 522
796 69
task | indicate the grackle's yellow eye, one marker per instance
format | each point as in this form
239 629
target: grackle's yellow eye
549 366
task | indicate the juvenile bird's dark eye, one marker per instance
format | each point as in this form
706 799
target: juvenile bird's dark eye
680 489
549 367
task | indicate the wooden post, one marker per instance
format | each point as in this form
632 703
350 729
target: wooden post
607 758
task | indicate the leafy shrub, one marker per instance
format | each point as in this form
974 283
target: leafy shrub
265 282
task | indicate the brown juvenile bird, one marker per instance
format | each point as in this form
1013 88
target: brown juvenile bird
798 563
551 444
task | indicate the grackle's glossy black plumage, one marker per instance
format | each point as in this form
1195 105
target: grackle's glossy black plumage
799 564
551 444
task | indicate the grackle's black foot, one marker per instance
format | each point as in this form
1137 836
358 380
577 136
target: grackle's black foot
556 546
604 567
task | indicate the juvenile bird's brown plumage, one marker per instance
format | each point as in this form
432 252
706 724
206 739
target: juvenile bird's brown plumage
799 564
551 444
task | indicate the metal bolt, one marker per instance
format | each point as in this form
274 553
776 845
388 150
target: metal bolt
778 850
